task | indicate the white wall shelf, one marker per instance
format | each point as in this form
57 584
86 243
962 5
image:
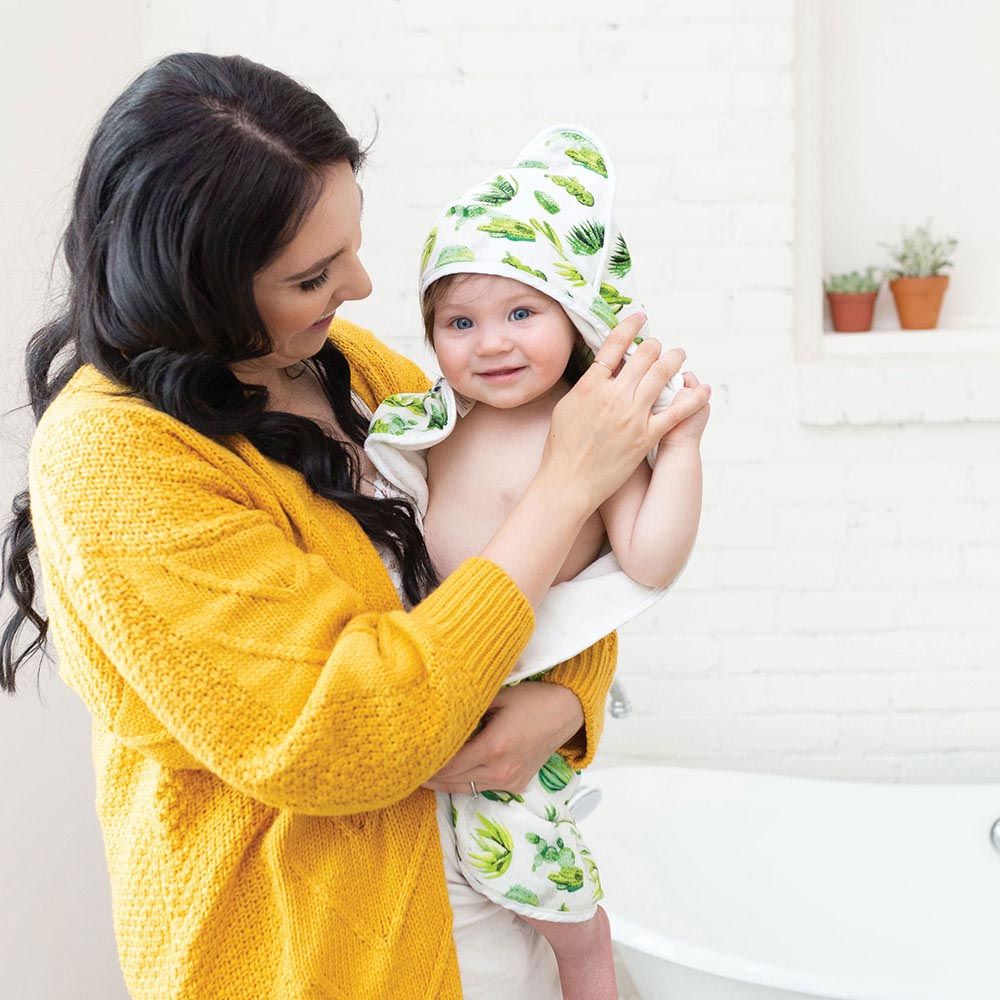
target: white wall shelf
886 376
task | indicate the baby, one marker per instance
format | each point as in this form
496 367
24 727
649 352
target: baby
521 279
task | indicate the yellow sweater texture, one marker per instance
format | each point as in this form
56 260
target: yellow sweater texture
264 710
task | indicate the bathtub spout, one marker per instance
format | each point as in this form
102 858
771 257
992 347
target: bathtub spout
620 706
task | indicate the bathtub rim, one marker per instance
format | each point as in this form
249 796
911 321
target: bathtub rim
761 973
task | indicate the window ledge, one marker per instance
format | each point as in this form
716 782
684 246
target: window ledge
902 377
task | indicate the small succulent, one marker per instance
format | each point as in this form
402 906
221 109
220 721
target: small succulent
854 282
919 255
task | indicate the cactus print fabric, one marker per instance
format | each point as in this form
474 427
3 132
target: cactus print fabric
524 851
546 220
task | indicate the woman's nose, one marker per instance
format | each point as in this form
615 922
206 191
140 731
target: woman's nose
357 284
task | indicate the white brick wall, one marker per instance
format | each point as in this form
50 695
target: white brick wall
839 615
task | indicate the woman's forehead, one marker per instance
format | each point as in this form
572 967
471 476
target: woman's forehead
327 228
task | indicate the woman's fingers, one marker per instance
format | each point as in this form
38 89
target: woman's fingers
657 375
613 349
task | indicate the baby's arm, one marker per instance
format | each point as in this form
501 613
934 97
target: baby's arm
653 519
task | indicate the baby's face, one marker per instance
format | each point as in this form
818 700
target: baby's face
500 341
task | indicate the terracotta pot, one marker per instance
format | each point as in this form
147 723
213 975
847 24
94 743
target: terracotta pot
918 300
851 311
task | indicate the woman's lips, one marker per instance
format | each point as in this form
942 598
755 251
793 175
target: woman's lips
501 374
322 324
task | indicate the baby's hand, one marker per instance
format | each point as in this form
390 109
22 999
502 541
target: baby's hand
688 431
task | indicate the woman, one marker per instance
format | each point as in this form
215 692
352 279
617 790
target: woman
267 719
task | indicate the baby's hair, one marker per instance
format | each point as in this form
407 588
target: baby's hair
579 360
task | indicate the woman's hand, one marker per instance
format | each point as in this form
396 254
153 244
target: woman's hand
524 725
604 425
599 433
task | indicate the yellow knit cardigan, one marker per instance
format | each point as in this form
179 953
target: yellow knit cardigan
264 711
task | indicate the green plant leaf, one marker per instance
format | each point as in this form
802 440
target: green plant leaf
589 159
498 191
454 255
620 262
520 894
497 846
919 255
508 229
546 202
586 238
853 282
573 187
428 248
570 273
515 262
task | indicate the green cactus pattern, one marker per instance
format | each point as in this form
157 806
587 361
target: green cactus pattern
394 424
497 846
586 238
499 795
498 191
532 165
565 133
454 255
604 313
428 248
546 230
556 853
574 188
520 894
613 297
570 273
590 159
546 202
569 878
423 404
465 212
555 774
514 262
595 875
508 229
620 262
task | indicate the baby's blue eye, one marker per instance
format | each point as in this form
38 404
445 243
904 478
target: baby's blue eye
520 313
462 319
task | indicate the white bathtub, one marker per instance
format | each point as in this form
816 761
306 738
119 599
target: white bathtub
726 885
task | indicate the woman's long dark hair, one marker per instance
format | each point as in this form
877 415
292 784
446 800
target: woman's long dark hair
196 178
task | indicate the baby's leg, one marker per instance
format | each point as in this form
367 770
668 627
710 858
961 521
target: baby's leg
583 954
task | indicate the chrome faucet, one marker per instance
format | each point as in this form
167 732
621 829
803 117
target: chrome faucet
620 706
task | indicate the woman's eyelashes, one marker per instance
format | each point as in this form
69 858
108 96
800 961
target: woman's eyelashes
313 283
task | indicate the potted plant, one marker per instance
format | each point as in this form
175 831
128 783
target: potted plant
916 281
852 300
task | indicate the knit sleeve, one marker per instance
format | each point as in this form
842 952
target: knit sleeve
588 675
263 664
